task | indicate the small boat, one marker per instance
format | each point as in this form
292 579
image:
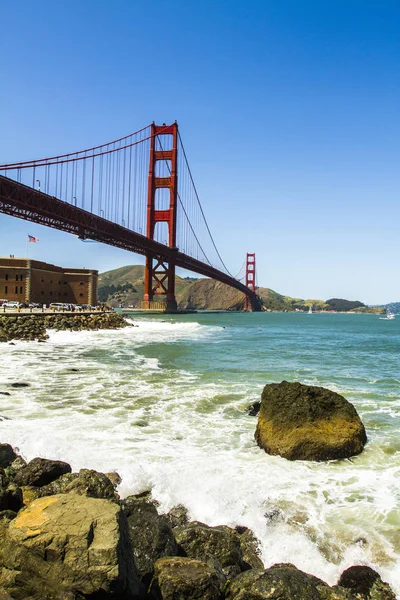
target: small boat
388 317
310 312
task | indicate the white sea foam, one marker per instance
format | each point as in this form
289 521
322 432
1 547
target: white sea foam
187 438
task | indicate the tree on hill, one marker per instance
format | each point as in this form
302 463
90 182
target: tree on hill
342 305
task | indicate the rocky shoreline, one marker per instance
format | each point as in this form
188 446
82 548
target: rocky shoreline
33 327
68 536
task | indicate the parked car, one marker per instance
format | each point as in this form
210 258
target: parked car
12 304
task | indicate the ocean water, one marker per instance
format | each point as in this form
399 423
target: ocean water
164 404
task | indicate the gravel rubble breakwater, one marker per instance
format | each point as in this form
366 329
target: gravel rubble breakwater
66 535
33 327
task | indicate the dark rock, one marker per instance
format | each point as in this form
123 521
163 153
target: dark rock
210 544
93 484
282 582
7 455
301 422
151 536
10 494
250 548
365 583
115 478
41 471
178 516
181 578
7 515
18 463
11 498
5 394
19 384
254 409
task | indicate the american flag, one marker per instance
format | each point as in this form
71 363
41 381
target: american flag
32 238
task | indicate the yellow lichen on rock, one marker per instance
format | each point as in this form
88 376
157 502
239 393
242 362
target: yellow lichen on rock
33 517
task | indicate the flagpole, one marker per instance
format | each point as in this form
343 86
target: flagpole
27 240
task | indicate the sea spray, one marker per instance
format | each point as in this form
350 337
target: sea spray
164 405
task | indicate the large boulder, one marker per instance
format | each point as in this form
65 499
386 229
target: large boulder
218 546
41 471
365 583
180 578
150 533
67 544
303 422
282 582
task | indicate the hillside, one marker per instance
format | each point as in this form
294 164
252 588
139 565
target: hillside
126 285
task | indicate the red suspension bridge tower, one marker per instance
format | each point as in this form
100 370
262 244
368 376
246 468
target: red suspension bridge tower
159 276
250 277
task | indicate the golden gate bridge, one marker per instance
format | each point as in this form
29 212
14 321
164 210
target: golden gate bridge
127 194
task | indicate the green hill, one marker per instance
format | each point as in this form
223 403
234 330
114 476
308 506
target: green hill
126 286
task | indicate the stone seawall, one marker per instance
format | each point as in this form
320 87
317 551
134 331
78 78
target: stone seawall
33 326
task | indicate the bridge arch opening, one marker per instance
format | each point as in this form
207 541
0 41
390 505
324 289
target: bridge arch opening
163 168
162 199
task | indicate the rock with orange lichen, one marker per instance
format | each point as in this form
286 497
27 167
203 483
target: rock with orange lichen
67 543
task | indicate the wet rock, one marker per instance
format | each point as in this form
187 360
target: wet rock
18 463
151 536
210 544
178 516
93 484
68 544
250 548
7 455
41 471
5 394
365 583
19 384
254 409
115 478
87 483
301 422
282 582
181 578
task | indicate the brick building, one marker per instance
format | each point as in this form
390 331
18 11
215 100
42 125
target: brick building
26 280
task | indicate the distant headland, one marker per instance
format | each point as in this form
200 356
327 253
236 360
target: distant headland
124 287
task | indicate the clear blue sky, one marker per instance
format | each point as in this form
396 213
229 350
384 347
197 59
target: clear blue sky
289 111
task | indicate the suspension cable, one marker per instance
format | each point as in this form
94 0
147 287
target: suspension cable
201 208
184 210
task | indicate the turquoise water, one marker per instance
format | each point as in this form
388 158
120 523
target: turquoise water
164 404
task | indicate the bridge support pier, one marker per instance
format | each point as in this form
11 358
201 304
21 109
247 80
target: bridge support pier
159 273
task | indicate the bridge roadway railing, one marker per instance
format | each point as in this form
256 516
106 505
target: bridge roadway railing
24 202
